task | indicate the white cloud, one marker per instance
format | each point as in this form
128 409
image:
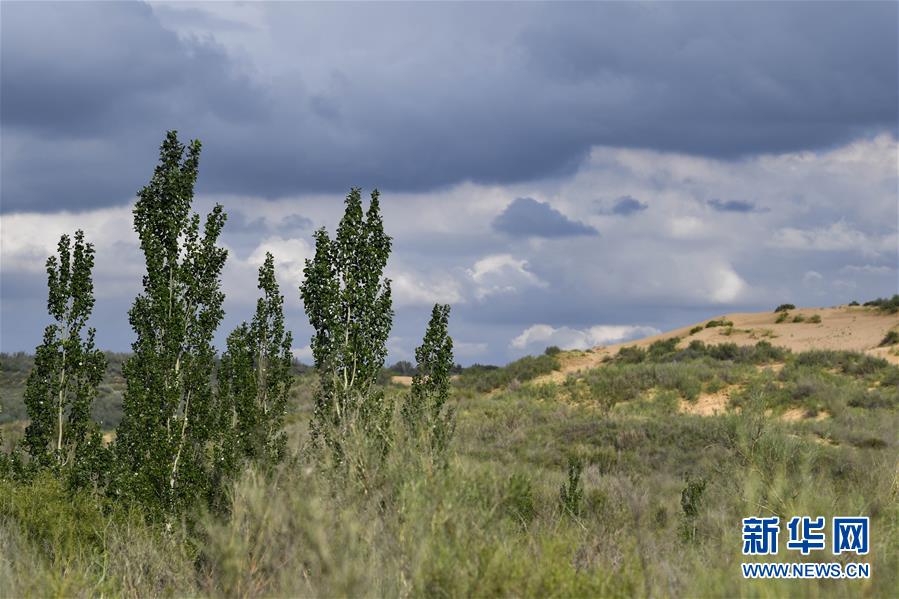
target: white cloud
839 236
303 354
467 349
567 338
502 273
725 285
867 269
409 290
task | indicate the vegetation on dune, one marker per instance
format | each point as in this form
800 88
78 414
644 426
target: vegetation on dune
889 305
250 475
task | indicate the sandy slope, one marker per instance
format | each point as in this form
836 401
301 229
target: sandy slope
852 328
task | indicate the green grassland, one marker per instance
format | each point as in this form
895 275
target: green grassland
656 510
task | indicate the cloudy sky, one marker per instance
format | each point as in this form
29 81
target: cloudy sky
570 174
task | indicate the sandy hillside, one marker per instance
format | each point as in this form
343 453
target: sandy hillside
852 328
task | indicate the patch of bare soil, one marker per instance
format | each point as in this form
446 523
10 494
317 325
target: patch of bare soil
708 404
799 414
401 380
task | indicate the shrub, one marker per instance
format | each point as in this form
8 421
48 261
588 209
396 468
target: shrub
571 493
519 498
784 307
799 318
891 338
552 350
782 317
814 319
631 355
854 303
890 305
718 323
695 329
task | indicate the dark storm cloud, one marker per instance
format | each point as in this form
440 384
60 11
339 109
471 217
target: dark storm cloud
733 206
415 97
526 217
624 206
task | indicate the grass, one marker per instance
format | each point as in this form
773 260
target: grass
655 508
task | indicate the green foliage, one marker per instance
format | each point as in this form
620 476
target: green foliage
483 378
631 355
718 323
662 349
785 308
518 501
814 319
891 338
571 493
403 368
349 306
889 305
254 382
696 329
168 422
67 370
552 350
425 412
782 317
799 318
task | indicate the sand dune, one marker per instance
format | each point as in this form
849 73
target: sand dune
853 328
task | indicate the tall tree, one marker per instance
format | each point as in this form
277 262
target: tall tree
348 304
67 368
254 384
427 417
162 442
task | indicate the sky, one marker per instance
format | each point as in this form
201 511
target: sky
561 174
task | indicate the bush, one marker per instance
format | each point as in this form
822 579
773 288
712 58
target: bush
782 318
718 323
814 319
486 378
890 305
631 355
695 329
552 350
784 307
891 338
799 318
571 493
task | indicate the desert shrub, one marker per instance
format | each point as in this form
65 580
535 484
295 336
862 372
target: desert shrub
571 493
799 318
486 378
718 323
889 305
662 349
552 350
695 329
518 501
891 338
854 303
784 308
782 317
631 355
814 319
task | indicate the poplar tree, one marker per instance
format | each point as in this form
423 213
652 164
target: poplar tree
349 305
67 368
168 421
427 417
254 382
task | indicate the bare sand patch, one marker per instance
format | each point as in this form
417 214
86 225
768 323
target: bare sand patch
799 414
708 404
406 381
